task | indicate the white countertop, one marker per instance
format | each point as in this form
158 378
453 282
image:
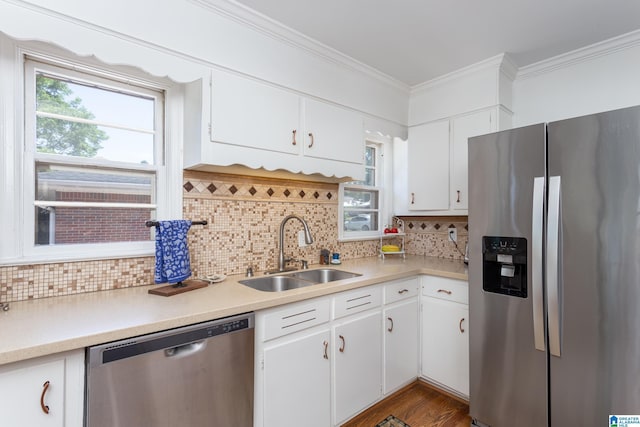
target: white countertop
51 325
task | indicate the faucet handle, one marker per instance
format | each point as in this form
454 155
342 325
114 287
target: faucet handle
249 272
305 264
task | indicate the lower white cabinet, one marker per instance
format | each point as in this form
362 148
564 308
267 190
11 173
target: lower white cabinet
445 336
357 355
46 391
297 380
322 361
400 344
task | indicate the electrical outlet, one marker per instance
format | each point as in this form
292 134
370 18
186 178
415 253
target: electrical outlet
453 234
301 241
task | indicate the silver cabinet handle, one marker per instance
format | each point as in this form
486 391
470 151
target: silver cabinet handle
311 143
45 388
536 263
343 344
390 328
460 326
326 348
553 237
458 201
413 198
445 291
294 137
402 291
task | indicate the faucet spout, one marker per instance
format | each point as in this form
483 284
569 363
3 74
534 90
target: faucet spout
307 238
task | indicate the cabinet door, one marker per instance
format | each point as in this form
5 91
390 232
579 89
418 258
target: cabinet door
333 133
400 344
445 343
297 381
57 382
428 166
462 128
248 113
357 346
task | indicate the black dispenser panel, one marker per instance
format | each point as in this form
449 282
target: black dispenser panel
504 265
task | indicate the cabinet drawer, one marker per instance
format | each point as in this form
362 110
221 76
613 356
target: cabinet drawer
401 289
355 301
447 289
296 318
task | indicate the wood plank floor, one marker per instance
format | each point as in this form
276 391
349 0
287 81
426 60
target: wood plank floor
418 405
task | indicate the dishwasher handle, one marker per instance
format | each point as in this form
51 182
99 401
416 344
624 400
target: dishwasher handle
186 349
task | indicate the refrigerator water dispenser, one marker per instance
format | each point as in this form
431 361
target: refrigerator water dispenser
504 265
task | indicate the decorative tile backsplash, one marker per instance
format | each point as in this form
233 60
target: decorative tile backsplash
244 215
430 236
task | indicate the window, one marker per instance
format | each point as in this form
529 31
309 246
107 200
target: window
93 155
360 213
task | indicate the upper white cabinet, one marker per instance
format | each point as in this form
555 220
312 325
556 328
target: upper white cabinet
333 133
438 164
47 391
251 114
236 120
428 167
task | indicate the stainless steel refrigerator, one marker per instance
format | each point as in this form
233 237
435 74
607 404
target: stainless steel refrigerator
554 272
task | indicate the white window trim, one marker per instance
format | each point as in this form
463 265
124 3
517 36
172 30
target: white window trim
17 192
383 180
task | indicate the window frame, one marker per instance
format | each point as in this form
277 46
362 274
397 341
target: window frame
21 150
379 178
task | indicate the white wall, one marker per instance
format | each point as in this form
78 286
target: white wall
180 38
602 77
478 86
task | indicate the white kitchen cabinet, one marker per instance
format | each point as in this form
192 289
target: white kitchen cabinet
437 163
357 350
297 381
462 128
428 167
445 337
233 120
333 133
400 331
47 391
293 374
252 114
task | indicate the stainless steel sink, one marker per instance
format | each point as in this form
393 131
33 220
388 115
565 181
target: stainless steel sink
276 283
324 275
299 279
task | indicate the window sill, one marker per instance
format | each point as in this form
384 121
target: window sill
59 255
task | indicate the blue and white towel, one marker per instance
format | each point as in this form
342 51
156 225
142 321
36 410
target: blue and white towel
172 252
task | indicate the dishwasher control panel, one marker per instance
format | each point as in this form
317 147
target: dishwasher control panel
225 328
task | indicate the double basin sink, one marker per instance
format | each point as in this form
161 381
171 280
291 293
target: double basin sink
298 279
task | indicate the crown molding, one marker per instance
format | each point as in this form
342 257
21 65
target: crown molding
250 18
501 62
587 53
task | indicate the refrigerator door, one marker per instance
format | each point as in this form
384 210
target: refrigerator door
595 370
508 380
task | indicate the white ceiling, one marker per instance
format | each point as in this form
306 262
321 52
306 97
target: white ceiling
416 40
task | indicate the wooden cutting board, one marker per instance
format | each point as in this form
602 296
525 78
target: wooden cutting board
179 288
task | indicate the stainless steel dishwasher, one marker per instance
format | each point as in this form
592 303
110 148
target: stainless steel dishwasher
195 376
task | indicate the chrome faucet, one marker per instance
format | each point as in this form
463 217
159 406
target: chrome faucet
307 238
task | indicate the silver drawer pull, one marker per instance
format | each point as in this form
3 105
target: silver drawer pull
445 291
403 291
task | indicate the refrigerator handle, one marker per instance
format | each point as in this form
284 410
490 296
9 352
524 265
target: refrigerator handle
536 261
553 273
